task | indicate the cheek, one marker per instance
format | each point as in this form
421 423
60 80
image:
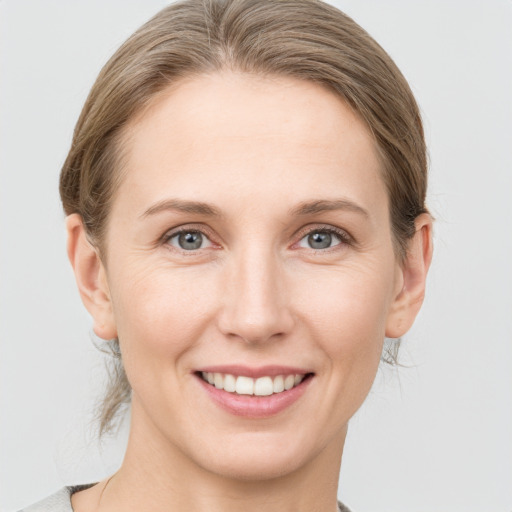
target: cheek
349 305
161 313
347 312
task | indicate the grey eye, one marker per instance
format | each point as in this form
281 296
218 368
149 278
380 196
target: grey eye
320 240
189 240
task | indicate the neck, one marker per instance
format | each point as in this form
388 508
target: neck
156 475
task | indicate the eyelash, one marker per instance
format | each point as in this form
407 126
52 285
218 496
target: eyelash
344 238
168 236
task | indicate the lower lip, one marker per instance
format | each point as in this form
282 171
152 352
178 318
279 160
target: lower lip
251 406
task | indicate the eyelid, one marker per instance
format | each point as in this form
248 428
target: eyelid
186 228
345 238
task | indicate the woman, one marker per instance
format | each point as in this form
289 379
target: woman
245 195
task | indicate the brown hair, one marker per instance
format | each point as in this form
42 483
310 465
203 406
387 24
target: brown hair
305 39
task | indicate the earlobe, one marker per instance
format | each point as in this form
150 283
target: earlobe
414 269
90 278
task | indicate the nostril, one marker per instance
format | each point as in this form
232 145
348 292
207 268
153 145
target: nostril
255 315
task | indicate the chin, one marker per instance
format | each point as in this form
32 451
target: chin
256 457
254 469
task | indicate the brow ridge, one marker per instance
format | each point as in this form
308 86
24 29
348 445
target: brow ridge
323 205
302 209
196 207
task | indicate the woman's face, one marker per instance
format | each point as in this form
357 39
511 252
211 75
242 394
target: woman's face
249 239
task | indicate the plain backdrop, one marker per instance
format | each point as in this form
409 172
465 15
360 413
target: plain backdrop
435 436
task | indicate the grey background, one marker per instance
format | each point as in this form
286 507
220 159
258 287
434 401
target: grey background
435 436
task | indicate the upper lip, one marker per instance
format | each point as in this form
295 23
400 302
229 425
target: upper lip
254 372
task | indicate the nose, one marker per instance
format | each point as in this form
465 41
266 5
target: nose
255 306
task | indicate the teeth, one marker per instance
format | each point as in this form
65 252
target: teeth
264 386
289 382
278 384
218 380
244 385
229 383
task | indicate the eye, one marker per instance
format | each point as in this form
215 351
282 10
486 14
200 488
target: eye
189 240
323 238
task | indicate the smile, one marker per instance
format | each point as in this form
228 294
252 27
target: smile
243 385
254 392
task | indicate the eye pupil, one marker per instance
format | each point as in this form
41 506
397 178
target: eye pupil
319 240
190 240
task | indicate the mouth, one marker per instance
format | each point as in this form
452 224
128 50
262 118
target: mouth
254 393
262 386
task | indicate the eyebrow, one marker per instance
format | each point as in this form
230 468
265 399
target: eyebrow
183 206
324 205
304 208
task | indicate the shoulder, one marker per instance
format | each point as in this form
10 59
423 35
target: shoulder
61 501
58 502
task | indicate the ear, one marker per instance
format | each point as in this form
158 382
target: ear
413 275
90 277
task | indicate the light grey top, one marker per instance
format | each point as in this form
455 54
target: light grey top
58 502
61 501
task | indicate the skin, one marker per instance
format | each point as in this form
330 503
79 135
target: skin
255 293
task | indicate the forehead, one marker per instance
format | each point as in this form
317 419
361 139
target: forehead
254 133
